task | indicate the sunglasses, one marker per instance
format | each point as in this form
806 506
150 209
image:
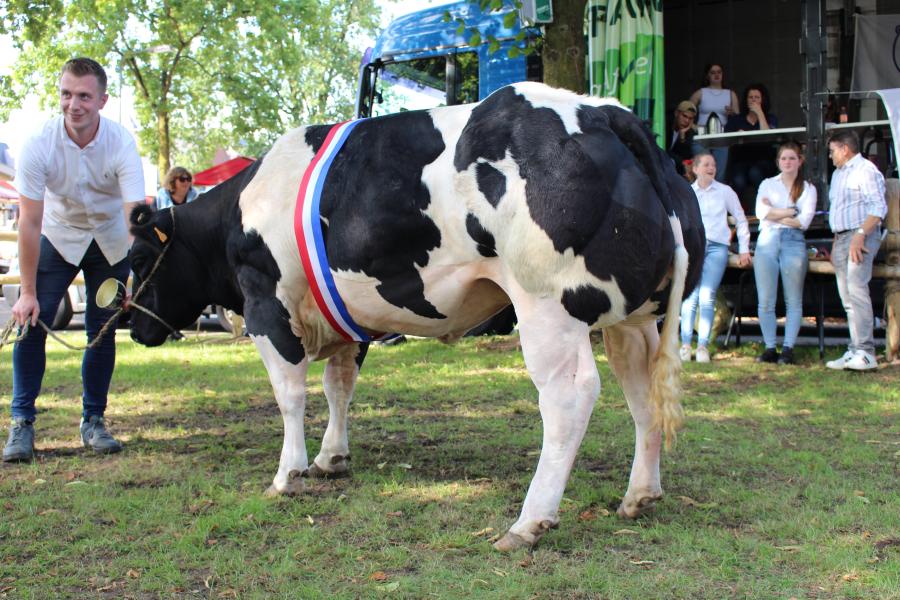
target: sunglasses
184 179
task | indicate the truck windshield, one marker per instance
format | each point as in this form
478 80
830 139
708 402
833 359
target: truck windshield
424 83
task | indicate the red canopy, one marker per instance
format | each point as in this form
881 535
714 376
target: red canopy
7 191
221 172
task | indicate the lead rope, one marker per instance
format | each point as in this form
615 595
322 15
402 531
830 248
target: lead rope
23 331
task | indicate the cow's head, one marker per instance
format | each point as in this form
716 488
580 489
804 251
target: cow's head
171 287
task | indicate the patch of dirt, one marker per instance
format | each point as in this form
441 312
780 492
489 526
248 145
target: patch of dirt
504 344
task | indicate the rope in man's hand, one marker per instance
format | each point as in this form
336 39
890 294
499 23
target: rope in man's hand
23 331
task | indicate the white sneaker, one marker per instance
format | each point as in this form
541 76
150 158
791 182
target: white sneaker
685 353
862 361
702 354
839 363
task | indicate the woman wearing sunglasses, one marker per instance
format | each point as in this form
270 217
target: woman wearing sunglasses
176 189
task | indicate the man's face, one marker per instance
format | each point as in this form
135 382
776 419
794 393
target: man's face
683 119
81 99
839 154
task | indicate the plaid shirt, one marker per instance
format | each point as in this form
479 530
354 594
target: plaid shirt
856 191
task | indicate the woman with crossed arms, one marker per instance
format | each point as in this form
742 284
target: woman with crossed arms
785 205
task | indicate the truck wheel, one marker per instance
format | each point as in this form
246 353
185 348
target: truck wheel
224 317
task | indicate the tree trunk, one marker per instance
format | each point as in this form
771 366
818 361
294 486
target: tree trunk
564 47
162 134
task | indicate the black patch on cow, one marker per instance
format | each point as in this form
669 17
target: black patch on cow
483 238
373 200
586 303
265 315
491 182
361 355
316 134
602 192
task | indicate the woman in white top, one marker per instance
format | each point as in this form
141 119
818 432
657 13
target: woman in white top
785 205
716 201
714 97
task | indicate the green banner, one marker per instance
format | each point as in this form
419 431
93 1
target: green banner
625 57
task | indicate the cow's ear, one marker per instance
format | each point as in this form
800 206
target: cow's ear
141 216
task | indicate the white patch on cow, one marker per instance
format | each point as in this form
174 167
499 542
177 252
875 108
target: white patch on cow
563 102
289 384
526 249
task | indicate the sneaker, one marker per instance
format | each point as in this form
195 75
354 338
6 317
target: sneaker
769 355
787 356
685 353
838 363
95 436
862 361
702 354
20 445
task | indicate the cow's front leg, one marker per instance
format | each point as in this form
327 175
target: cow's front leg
289 384
558 355
630 350
268 324
339 381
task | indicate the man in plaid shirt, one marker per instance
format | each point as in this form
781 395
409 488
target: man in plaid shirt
857 206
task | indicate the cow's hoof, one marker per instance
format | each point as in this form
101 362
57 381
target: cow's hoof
339 467
295 486
513 541
632 508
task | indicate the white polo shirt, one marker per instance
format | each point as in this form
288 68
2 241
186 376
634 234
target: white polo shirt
83 189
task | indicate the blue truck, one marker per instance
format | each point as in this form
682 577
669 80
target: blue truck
425 59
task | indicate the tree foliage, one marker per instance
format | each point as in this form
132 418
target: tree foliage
205 73
562 46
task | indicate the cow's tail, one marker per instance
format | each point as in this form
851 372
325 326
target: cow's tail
665 379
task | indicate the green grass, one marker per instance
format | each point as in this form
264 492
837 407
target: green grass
784 484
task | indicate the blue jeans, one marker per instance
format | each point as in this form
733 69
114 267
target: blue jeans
714 263
780 250
54 275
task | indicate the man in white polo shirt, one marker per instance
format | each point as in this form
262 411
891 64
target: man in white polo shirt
857 206
78 178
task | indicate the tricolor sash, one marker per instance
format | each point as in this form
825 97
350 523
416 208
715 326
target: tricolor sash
308 230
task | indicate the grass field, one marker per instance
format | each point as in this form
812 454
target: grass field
784 484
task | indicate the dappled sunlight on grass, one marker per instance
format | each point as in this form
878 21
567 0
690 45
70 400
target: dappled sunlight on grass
443 492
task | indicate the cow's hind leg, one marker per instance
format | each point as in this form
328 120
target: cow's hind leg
559 358
630 350
289 384
340 379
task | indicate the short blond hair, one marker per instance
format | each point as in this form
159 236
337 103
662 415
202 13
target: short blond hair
173 174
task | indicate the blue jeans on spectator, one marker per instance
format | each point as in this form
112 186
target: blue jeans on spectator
54 275
780 250
714 263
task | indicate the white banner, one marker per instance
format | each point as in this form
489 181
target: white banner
876 57
891 99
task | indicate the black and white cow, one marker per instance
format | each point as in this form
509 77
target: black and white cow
435 220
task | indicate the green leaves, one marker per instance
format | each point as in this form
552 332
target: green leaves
204 73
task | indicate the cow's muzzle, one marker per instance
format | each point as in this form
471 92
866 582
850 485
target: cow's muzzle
112 295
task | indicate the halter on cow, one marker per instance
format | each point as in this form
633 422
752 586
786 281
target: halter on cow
433 221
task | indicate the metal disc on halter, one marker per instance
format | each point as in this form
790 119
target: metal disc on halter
110 294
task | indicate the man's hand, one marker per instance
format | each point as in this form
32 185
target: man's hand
26 309
857 247
744 259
